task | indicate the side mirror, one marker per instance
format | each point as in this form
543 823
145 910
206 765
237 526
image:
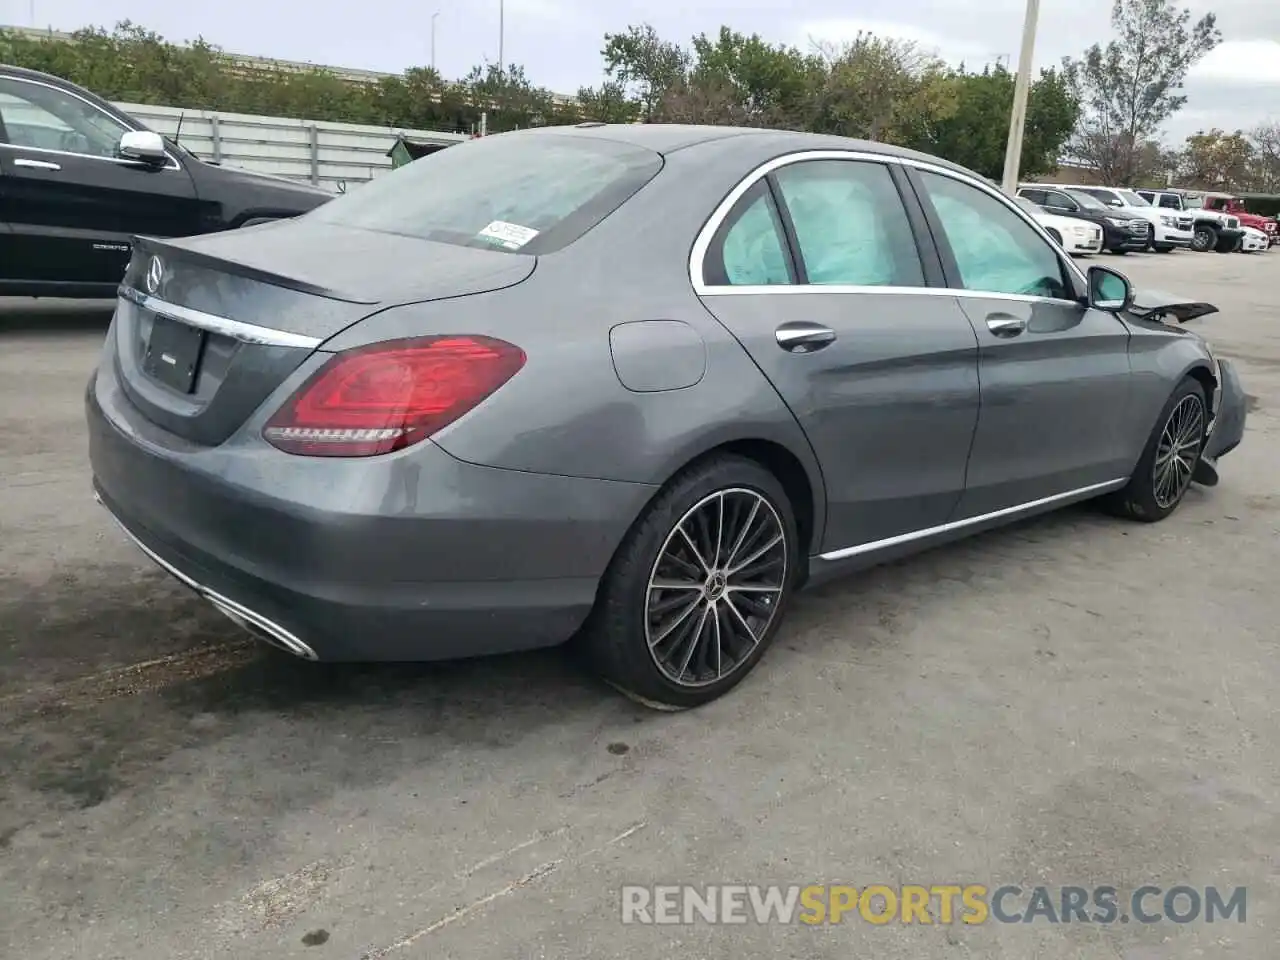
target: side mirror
1109 290
142 146
1113 202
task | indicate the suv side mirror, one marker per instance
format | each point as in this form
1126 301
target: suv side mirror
1113 202
142 146
1109 290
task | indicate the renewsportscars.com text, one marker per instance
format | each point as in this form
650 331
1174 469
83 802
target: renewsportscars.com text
933 904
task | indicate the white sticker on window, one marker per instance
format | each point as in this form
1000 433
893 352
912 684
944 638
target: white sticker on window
512 236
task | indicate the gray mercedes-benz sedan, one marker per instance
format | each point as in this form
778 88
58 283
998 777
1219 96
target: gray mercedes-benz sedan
630 385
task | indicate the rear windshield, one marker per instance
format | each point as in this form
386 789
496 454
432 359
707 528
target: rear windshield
524 193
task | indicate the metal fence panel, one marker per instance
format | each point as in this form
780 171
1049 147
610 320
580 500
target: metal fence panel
332 155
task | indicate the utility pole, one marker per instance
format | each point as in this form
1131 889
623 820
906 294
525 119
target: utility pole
1021 89
502 15
433 39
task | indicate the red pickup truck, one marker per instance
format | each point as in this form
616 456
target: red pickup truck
1228 203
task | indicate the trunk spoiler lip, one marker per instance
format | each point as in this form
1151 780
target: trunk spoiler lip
1155 304
182 253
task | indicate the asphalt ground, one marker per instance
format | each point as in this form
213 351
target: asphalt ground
1074 700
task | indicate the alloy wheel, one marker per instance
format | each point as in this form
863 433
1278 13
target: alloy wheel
1201 240
715 588
1178 451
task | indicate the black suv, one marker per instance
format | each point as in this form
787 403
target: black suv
79 179
1119 234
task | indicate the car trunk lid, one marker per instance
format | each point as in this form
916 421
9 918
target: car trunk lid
206 328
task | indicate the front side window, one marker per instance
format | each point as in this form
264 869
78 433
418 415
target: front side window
1169 201
45 118
750 250
995 249
1035 196
850 224
522 193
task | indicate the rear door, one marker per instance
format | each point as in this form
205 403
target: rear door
827 278
1055 374
72 202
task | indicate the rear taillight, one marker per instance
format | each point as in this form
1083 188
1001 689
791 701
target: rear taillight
386 396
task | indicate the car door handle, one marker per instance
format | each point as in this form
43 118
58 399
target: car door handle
1005 325
803 337
36 164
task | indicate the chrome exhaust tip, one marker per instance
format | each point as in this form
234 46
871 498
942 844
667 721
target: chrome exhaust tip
255 623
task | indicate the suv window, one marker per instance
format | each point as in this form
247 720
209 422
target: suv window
1169 201
46 118
1060 200
522 193
1035 196
994 248
850 223
1108 197
749 249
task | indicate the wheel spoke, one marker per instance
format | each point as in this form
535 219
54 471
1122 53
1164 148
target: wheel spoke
742 535
676 622
694 547
756 555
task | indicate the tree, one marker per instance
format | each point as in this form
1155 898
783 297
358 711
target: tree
1130 87
878 88
645 64
1214 160
607 103
976 133
769 84
1266 158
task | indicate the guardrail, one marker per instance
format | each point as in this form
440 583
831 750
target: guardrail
330 155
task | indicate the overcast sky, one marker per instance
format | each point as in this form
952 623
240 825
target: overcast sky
559 41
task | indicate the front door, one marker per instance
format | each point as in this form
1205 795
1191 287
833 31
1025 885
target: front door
880 370
73 204
1055 374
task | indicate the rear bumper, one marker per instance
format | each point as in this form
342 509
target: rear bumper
1227 429
415 556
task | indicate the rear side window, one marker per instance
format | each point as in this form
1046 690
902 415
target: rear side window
750 250
1035 196
1170 201
850 224
517 193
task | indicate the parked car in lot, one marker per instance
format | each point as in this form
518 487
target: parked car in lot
79 178
1254 241
633 384
1075 235
1168 230
1213 229
1234 206
1120 234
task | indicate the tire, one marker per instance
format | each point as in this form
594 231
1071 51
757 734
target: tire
623 637
1165 249
1143 498
1119 252
1054 235
1204 239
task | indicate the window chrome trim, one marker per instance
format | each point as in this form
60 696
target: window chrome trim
235 329
876 545
703 240
173 163
815 288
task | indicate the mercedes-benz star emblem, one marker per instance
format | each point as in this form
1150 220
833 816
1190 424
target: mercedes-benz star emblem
155 275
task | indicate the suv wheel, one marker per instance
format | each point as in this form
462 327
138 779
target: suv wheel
1204 239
